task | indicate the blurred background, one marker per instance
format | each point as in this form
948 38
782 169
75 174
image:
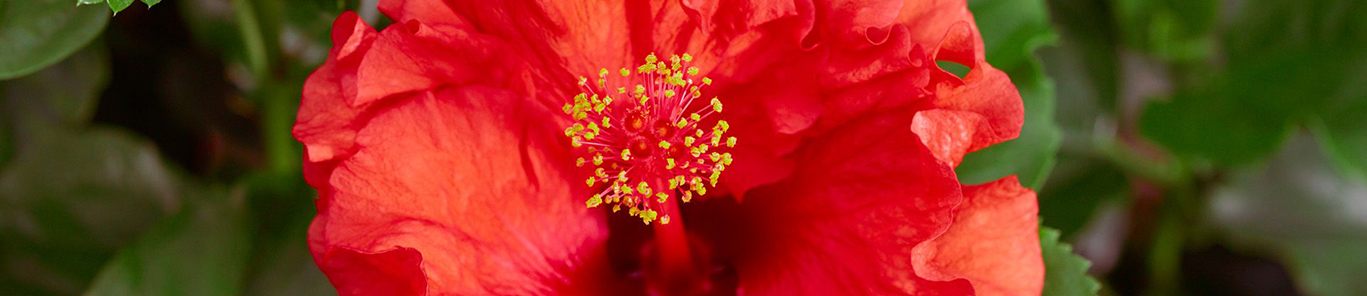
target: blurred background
1179 147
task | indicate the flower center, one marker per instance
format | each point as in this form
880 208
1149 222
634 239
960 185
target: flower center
649 143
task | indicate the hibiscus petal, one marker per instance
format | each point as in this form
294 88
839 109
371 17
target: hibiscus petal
863 196
396 272
416 56
947 132
561 40
325 119
402 11
476 185
994 242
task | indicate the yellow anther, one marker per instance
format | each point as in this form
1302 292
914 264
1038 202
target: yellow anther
687 58
650 58
607 123
692 70
730 142
688 141
603 72
643 188
687 196
594 201
579 161
661 197
625 72
673 184
600 172
716 105
706 81
583 81
664 145
695 117
626 155
681 124
576 141
598 159
669 93
664 220
669 163
621 176
590 181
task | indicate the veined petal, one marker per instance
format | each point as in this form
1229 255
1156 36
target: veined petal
846 222
994 242
469 183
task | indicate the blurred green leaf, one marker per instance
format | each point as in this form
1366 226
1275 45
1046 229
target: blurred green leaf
1089 35
1016 29
1012 30
150 2
39 33
1298 208
1213 126
1078 187
69 198
65 93
1065 272
282 208
1291 61
1343 135
1177 30
203 250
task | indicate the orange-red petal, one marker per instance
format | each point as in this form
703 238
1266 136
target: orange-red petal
994 242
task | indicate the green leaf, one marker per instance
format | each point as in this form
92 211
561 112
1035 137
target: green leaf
1214 126
1012 30
39 33
1077 188
119 5
203 250
1089 42
65 93
88 2
283 207
1065 272
1174 30
1298 208
72 197
151 2
1343 136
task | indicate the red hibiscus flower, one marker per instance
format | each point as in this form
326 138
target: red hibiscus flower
517 147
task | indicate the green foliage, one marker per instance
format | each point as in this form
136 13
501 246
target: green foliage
1177 30
1343 135
1019 27
67 216
202 250
1078 187
1065 273
39 33
1294 61
118 5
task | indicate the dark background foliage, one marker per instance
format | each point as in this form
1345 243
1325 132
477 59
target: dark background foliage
1179 147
